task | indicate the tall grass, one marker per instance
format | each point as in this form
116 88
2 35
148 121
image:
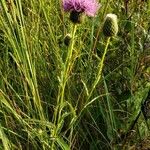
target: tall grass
54 96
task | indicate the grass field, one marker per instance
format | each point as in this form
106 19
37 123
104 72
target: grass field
59 90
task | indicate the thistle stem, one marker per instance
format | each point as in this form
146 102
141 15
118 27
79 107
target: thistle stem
100 68
63 80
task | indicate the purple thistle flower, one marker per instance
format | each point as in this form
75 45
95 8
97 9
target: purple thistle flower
89 7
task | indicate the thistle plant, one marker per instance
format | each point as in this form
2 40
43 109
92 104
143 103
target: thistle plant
56 95
110 29
77 9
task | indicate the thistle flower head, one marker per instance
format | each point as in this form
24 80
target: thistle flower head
110 27
89 7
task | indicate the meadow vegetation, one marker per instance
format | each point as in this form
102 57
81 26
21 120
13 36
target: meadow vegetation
50 99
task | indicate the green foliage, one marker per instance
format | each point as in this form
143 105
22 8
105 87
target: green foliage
76 96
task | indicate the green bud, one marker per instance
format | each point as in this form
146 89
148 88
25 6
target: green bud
67 39
110 27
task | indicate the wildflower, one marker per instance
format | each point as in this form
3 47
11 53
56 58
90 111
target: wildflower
79 7
110 27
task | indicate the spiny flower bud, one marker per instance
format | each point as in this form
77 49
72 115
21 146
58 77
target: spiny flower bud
76 17
110 27
67 39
